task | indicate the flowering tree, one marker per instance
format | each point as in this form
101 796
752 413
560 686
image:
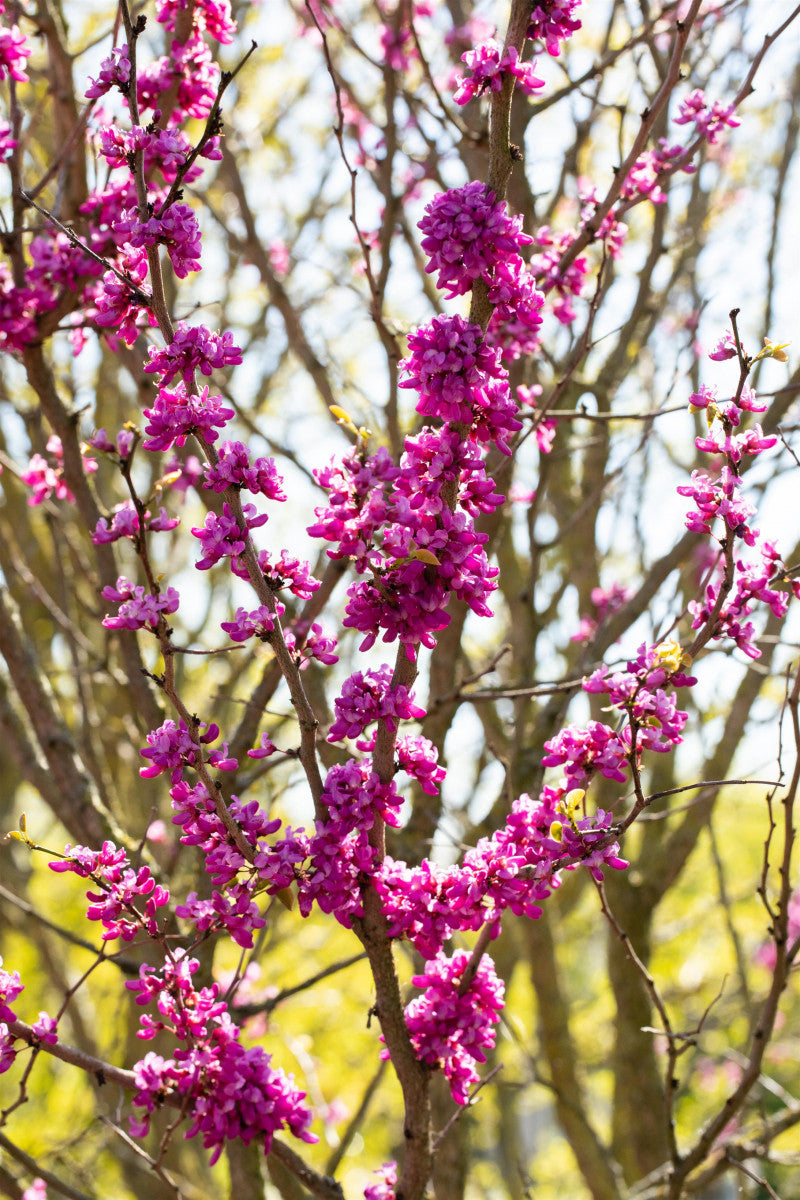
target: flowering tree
540 647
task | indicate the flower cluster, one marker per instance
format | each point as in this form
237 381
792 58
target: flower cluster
121 886
43 1031
452 369
178 413
234 468
605 601
370 697
654 721
193 348
172 747
227 1091
124 523
384 1188
553 22
306 642
340 854
735 589
177 229
651 168
115 305
47 480
10 988
259 623
754 584
488 65
515 868
551 276
13 52
708 120
467 233
36 1191
138 608
115 71
222 537
451 1026
212 17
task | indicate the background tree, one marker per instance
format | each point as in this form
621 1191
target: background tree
506 400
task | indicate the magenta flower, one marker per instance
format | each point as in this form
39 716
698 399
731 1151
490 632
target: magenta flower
467 234
451 367
172 747
451 1030
221 537
177 229
553 22
725 348
115 71
137 608
115 905
193 348
177 414
47 480
234 468
259 623
487 69
384 1187
211 16
225 1090
370 697
708 121
13 52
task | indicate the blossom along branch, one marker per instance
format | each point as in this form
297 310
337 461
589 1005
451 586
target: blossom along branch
105 1073
407 526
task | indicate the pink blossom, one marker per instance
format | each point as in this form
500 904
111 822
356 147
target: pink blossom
316 644
708 121
418 757
451 1029
451 367
47 480
7 143
210 16
467 233
225 1091
124 523
118 305
121 888
190 69
221 536
13 52
259 623
10 988
370 697
279 258
546 268
234 468
193 348
177 229
398 47
384 1187
177 413
137 608
172 747
725 348
553 22
36 1191
487 69
264 748
115 71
